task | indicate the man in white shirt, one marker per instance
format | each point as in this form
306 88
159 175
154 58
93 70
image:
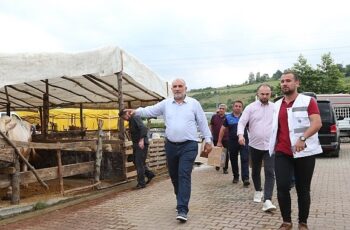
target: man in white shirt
258 116
182 116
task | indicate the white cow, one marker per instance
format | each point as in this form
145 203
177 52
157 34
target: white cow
17 130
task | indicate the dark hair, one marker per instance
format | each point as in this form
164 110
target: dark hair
122 113
237 101
295 75
263 85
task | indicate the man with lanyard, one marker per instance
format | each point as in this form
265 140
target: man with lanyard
294 141
215 125
182 115
231 122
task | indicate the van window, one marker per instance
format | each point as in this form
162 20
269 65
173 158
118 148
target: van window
325 111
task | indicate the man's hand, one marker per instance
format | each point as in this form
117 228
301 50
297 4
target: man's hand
130 111
241 139
219 144
299 145
207 148
141 143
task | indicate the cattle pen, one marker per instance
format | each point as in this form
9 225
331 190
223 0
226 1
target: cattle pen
107 78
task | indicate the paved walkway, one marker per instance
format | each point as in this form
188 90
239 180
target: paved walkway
216 203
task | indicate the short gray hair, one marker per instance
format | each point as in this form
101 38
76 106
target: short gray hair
223 106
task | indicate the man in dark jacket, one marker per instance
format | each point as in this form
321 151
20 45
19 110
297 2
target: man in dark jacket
140 145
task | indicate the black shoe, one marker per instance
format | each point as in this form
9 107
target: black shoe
150 177
246 182
217 168
139 186
235 180
225 171
182 217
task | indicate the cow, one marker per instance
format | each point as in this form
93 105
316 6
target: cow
17 130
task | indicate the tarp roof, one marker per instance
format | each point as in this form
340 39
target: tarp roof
73 78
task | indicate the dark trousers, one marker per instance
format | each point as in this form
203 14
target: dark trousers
225 145
257 157
180 159
140 156
234 147
303 169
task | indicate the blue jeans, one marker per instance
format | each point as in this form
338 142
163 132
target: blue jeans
234 147
180 159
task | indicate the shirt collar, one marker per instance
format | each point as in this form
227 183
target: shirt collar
184 101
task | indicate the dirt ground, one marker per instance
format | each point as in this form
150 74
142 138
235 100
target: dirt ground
35 192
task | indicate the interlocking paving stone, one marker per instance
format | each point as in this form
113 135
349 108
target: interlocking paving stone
216 203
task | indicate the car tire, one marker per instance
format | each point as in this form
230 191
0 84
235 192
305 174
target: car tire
336 152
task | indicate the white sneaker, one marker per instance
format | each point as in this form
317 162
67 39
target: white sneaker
257 196
268 206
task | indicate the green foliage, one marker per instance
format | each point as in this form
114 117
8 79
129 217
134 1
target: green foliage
327 78
40 205
277 75
332 80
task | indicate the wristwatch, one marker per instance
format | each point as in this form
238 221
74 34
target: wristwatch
302 138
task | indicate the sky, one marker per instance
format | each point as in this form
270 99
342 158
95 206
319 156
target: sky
207 43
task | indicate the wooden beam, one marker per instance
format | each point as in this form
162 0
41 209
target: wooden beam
145 91
82 188
87 89
24 160
51 173
62 146
18 99
50 95
109 85
25 92
88 77
8 170
70 91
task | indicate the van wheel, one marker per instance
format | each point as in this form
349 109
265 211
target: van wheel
336 152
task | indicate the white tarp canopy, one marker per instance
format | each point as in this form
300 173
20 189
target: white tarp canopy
87 77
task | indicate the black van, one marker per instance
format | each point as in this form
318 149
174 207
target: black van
329 134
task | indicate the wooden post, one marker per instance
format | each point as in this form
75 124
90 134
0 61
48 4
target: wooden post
45 110
8 105
98 153
41 119
8 109
81 121
15 181
121 121
121 105
59 169
18 154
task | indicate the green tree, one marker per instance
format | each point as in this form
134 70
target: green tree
251 78
332 79
308 77
277 75
257 77
264 77
347 71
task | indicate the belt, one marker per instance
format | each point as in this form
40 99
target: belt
178 143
